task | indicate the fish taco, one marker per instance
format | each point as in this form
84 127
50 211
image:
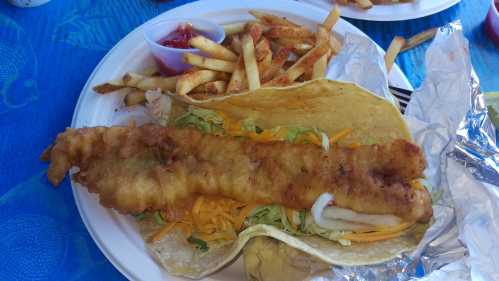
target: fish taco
324 167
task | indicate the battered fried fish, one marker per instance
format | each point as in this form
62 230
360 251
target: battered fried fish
134 169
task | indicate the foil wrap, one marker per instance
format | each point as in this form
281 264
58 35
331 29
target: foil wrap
448 118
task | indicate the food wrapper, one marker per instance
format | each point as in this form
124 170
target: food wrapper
448 118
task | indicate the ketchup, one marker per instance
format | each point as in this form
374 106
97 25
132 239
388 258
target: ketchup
180 37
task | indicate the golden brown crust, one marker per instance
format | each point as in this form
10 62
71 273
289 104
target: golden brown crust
152 168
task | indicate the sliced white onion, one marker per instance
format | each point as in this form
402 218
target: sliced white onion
318 207
325 141
335 218
333 212
332 224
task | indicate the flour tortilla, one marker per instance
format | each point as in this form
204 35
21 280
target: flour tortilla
180 258
325 104
328 105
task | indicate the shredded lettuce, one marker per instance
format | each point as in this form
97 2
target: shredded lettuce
248 125
302 215
210 122
294 132
158 218
275 215
200 244
139 216
286 224
205 120
269 215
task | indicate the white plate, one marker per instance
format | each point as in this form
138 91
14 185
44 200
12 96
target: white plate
394 12
115 234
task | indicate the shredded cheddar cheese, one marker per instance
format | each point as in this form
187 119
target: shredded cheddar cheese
219 218
341 134
234 128
416 184
162 232
353 145
382 233
210 219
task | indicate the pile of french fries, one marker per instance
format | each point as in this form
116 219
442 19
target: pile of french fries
367 4
269 51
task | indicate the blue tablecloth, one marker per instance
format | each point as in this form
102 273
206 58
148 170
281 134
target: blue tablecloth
46 55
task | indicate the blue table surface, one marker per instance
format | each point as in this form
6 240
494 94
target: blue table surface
46 56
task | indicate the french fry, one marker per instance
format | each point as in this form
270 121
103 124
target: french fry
302 48
134 80
189 81
250 65
300 66
233 28
236 44
393 51
292 42
272 20
238 80
212 88
288 32
263 65
254 29
307 61
307 75
319 68
278 61
209 63
332 18
109 87
321 35
334 44
135 97
298 46
151 71
419 39
213 49
192 69
262 49
263 55
364 4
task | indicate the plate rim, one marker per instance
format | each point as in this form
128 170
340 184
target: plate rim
348 12
78 107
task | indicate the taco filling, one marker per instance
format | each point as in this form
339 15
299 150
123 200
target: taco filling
216 220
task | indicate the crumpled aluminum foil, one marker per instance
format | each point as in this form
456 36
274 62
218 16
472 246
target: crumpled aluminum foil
448 118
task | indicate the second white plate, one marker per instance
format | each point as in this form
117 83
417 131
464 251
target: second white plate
392 12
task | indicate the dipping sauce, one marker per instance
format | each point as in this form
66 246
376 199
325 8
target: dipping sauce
180 37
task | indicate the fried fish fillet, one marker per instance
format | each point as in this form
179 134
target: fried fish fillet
134 169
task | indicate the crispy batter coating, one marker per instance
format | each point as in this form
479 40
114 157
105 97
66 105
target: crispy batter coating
152 168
